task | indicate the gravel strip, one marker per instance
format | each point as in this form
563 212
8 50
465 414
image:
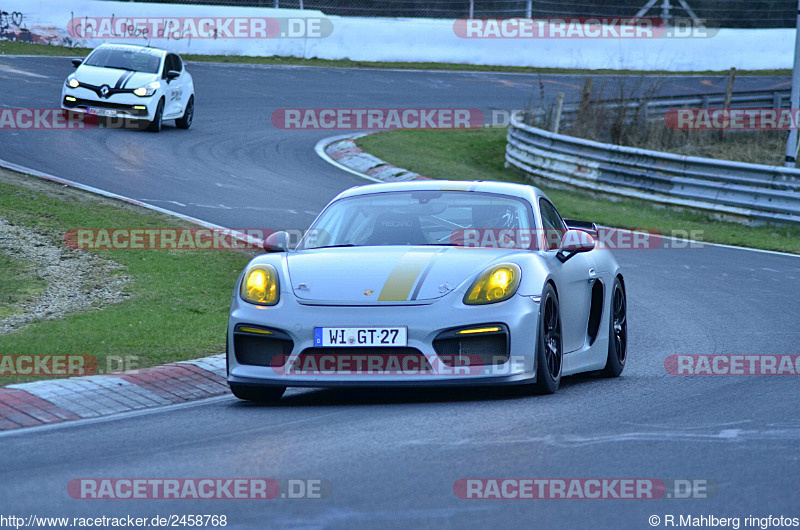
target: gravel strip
77 280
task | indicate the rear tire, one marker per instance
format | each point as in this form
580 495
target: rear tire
262 394
185 121
549 349
617 332
155 125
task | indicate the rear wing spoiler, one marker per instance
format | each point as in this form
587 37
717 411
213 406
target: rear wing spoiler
586 226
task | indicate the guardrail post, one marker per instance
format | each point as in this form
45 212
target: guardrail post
644 112
794 99
557 112
728 95
586 96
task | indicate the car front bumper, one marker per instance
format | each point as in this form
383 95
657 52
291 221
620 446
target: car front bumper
425 323
129 106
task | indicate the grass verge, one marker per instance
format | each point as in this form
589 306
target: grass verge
179 300
478 154
19 284
23 48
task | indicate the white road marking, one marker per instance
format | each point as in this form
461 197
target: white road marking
229 186
161 200
12 70
573 440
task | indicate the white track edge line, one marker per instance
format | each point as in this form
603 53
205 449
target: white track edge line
97 191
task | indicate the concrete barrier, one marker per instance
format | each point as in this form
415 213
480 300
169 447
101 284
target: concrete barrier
382 39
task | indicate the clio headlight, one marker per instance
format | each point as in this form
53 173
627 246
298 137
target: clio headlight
495 284
260 285
147 90
72 82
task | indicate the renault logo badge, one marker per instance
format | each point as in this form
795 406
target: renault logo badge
104 91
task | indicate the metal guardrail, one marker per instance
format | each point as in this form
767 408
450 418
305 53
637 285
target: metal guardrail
750 192
653 109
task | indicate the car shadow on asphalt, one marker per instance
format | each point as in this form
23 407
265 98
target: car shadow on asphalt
132 126
326 397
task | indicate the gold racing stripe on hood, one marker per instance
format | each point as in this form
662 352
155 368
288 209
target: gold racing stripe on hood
402 278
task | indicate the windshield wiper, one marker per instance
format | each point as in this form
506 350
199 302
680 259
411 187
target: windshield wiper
333 246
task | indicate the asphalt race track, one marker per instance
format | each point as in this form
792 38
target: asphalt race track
393 456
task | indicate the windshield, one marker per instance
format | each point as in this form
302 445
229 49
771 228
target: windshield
414 218
125 59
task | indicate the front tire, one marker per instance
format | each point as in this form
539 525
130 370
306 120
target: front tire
155 125
549 349
617 332
185 121
262 394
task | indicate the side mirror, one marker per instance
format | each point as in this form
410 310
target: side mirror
574 242
172 74
276 242
77 62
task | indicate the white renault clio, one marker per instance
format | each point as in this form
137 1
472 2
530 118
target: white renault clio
135 82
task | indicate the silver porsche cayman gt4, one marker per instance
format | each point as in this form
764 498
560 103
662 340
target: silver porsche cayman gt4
429 283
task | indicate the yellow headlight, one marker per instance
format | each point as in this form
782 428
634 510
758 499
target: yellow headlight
260 285
473 331
74 83
147 90
494 285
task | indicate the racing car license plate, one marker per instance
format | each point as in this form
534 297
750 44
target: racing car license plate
349 337
101 112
